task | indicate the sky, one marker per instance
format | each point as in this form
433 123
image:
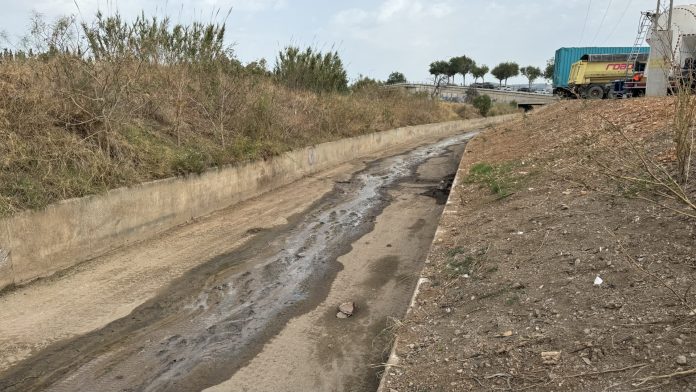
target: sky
377 37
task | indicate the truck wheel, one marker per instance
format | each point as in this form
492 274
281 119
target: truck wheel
595 92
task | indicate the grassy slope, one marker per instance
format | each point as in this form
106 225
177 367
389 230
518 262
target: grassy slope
56 144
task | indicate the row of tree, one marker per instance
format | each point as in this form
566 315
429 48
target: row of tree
463 65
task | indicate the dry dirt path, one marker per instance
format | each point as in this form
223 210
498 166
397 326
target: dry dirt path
251 287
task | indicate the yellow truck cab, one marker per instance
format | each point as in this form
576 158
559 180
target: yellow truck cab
592 76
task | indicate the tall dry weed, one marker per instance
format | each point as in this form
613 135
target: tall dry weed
86 108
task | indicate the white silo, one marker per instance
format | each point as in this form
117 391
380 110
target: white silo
670 47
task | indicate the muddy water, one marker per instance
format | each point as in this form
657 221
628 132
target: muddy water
217 318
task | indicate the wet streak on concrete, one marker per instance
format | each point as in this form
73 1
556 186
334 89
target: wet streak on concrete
441 191
215 318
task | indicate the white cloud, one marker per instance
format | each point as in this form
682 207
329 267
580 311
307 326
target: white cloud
390 8
251 5
54 8
412 9
351 17
390 11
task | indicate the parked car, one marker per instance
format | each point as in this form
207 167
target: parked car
487 85
524 90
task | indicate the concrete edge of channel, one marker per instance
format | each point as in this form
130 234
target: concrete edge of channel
394 359
36 244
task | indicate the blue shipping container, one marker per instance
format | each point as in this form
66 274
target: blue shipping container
565 57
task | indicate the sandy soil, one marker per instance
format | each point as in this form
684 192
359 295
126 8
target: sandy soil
511 302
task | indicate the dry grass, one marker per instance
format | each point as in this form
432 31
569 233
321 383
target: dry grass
71 128
568 224
500 109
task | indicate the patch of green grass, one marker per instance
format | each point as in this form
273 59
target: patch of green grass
502 180
457 263
460 266
455 251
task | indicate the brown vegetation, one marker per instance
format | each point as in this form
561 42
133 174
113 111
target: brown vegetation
82 115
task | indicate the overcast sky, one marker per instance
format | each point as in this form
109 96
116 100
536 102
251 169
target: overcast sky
376 37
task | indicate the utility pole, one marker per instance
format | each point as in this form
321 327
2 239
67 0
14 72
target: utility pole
670 40
657 15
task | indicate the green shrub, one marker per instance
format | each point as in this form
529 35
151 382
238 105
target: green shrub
396 77
499 179
483 103
310 70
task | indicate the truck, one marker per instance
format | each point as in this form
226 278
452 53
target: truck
566 57
593 76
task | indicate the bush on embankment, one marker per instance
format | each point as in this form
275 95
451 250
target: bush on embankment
90 107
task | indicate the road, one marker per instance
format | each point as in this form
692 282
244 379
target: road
522 99
244 299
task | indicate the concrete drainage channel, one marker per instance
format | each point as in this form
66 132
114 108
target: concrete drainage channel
263 318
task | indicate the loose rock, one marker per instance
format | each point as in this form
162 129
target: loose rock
346 308
681 360
551 357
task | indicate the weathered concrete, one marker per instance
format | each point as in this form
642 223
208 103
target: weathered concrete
522 99
64 234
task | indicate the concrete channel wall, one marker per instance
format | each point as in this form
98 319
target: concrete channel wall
36 244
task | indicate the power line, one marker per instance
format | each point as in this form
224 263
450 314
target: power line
616 25
602 22
584 26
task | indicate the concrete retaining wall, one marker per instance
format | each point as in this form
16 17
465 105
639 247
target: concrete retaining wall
36 244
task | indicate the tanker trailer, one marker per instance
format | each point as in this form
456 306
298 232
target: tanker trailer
592 77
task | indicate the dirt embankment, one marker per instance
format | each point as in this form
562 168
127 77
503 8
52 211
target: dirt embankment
535 224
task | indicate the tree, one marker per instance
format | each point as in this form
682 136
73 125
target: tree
532 74
451 70
483 104
462 65
500 73
479 72
396 77
258 67
549 70
512 70
365 83
505 71
439 68
310 69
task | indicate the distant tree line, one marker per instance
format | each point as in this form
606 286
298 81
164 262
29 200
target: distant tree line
445 71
